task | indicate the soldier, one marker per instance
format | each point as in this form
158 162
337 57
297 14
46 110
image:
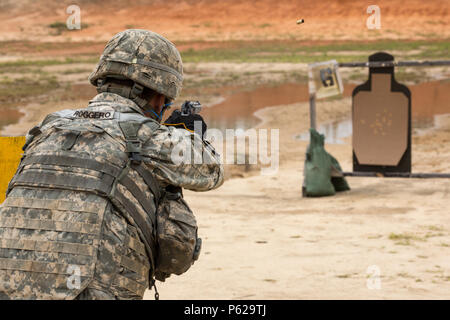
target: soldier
95 210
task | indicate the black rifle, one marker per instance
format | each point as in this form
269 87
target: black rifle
190 107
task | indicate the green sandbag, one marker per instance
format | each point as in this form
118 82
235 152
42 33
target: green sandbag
319 165
339 183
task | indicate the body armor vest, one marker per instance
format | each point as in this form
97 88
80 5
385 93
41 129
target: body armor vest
79 167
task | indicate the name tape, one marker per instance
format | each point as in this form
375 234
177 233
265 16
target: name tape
100 115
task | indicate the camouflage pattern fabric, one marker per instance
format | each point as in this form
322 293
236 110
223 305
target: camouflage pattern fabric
176 235
55 224
144 57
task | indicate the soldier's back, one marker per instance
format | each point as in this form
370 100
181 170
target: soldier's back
60 233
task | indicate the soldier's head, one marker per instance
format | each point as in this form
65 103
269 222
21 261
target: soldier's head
142 66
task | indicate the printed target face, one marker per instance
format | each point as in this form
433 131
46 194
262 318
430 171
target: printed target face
327 81
380 123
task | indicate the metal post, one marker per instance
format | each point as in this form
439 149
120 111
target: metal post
312 99
312 110
397 175
385 64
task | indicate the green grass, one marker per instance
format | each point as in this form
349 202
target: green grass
12 46
435 228
431 235
408 76
290 51
14 90
404 238
62 26
359 76
344 276
435 271
12 65
58 25
404 275
76 70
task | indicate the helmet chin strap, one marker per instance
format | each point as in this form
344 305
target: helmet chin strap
152 113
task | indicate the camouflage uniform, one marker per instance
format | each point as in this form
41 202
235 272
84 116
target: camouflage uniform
79 214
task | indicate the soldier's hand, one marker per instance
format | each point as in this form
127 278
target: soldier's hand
185 122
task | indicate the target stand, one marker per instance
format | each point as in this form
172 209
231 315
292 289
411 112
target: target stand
381 118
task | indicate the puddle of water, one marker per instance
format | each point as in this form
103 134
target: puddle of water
9 116
438 122
237 110
334 132
429 99
80 91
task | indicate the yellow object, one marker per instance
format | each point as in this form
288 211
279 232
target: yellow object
177 124
10 154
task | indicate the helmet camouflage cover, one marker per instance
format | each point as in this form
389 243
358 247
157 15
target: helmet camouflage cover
146 58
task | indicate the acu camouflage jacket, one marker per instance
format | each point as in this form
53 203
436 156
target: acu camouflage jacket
79 206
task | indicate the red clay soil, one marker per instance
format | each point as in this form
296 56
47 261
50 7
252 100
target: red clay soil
214 20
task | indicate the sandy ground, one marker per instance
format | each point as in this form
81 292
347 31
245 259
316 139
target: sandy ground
262 240
227 20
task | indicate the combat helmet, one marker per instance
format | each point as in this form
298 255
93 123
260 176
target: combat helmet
145 57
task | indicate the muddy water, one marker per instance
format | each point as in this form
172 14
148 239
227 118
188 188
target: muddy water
9 116
428 100
237 109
